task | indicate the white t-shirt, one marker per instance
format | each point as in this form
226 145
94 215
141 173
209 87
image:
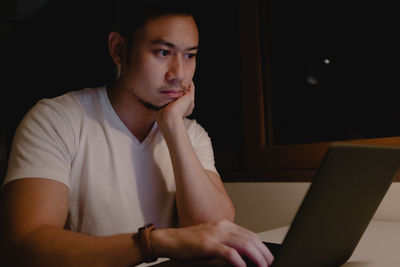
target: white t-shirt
116 184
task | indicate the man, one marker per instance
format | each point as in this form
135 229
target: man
91 167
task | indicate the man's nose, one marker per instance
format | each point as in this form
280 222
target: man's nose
175 69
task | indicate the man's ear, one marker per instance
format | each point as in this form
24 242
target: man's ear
117 48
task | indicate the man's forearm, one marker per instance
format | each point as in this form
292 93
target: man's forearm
52 246
200 195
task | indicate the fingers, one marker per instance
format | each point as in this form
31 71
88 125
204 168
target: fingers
264 254
251 249
191 86
231 256
189 95
190 91
223 240
248 251
244 243
182 106
189 110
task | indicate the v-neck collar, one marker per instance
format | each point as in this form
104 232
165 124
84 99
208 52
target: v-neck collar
121 125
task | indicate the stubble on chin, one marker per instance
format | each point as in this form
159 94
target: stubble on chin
151 106
146 104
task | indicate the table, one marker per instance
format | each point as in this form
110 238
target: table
378 247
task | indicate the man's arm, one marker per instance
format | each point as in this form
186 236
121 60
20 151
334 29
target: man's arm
200 194
34 211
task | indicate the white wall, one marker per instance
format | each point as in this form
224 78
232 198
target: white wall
264 206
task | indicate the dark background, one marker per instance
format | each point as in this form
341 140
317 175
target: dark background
63 47
355 95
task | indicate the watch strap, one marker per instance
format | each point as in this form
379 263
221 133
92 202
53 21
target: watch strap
145 242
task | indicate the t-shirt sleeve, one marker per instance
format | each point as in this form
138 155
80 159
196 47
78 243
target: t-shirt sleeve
42 145
202 145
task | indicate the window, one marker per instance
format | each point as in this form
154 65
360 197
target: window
313 73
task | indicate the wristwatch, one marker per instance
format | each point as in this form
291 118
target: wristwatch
145 244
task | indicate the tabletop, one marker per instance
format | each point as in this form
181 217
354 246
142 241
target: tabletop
379 246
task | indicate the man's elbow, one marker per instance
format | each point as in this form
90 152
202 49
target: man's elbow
20 247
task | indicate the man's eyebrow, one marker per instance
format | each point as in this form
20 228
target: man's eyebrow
171 45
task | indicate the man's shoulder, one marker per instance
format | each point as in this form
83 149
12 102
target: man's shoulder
75 95
191 124
72 100
68 106
89 94
193 127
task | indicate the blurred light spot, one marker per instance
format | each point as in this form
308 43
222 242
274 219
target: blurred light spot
312 80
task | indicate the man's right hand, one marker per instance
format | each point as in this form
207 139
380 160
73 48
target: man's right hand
222 240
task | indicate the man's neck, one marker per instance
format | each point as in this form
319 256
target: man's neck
136 117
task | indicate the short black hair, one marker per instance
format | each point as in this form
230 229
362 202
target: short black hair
131 15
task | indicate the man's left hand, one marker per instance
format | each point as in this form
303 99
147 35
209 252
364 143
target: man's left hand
179 108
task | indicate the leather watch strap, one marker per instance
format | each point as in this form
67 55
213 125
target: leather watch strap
145 242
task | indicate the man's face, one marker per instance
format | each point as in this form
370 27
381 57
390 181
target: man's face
162 60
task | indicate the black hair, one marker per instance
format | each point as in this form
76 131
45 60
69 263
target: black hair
131 15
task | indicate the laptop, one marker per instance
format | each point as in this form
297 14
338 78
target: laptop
345 193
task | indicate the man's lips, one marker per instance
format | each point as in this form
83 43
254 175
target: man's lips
172 93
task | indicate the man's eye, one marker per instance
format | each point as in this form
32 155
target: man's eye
164 53
189 56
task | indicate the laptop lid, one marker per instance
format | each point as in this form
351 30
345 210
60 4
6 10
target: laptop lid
342 199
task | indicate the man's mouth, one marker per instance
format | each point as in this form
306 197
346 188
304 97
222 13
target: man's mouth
172 93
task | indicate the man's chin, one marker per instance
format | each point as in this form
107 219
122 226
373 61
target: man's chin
151 106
